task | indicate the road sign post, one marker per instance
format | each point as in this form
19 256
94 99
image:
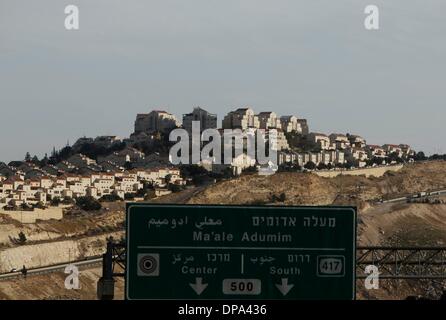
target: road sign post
240 252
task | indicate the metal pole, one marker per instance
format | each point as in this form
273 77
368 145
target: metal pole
106 284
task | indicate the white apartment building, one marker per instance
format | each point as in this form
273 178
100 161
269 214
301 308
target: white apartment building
156 120
358 154
77 188
268 120
242 118
207 120
356 141
339 141
375 151
393 148
320 139
406 150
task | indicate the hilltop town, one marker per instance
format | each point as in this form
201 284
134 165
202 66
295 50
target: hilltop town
74 195
138 167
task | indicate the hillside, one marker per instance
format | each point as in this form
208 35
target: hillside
398 224
310 189
51 287
378 224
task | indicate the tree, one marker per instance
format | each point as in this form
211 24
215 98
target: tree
68 200
24 206
40 205
198 174
438 157
300 142
35 160
44 160
420 156
227 173
321 166
128 165
285 167
174 187
27 157
55 202
310 165
282 197
129 196
394 157
250 169
350 164
110 198
88 203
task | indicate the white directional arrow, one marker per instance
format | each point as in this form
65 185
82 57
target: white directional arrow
284 287
198 286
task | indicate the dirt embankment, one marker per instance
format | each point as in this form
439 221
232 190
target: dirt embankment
77 236
298 189
42 254
76 225
310 189
51 286
403 225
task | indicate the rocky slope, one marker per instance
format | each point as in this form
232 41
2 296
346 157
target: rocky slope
310 189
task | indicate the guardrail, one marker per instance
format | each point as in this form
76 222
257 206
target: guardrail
96 260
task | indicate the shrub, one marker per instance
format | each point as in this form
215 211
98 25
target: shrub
129 196
88 203
22 238
175 187
55 202
310 165
282 197
68 200
110 198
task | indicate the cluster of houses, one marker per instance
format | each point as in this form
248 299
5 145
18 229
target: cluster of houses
29 185
340 149
23 182
334 149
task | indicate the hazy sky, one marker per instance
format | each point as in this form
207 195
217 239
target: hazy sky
312 58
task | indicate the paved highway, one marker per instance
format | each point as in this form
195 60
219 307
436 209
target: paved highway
417 196
98 260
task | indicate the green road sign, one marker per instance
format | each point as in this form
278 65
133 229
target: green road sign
240 252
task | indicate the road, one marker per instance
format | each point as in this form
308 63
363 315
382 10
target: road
416 196
180 197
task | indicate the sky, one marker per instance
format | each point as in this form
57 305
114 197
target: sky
313 59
